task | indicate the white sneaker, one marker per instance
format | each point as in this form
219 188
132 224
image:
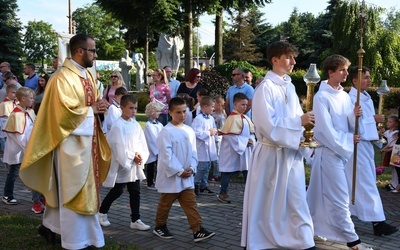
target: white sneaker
318 238
139 225
103 218
361 246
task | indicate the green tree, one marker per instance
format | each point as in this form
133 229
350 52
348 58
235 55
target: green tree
264 34
392 21
145 19
10 36
93 20
238 42
298 30
218 8
40 42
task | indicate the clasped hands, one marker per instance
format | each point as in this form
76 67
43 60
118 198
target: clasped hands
100 106
188 172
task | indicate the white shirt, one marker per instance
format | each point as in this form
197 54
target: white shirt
205 143
177 152
151 132
126 138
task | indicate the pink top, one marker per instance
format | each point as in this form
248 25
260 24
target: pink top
110 91
162 93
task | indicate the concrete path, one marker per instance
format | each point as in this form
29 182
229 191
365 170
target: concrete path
224 219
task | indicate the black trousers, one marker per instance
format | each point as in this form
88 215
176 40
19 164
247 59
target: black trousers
116 191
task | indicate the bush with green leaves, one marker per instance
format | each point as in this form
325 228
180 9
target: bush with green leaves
218 80
227 68
143 98
214 82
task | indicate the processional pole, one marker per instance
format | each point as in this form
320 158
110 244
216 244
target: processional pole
360 53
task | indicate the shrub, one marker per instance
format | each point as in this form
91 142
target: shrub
227 68
214 82
143 99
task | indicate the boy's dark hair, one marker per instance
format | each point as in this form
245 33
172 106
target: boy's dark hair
188 99
78 41
394 117
203 92
207 101
176 101
277 49
8 75
121 91
127 99
353 72
239 96
333 62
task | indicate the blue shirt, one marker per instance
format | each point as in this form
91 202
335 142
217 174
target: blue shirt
32 82
245 89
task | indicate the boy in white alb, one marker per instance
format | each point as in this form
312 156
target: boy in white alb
6 107
114 111
18 128
392 125
129 153
275 210
368 205
206 134
236 146
176 165
151 131
327 194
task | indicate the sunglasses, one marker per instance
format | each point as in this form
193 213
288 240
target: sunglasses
235 74
114 76
198 76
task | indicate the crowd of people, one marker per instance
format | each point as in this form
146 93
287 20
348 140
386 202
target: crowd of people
191 137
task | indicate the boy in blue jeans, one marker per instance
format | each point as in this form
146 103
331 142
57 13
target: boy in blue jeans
236 146
206 134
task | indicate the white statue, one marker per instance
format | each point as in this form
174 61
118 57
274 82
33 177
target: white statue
140 66
125 63
168 51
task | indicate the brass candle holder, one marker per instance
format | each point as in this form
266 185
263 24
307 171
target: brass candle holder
382 90
311 78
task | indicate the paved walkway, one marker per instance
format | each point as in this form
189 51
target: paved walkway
224 219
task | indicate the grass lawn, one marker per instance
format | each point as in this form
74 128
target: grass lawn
20 232
141 119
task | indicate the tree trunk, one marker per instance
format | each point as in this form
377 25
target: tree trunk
218 37
188 36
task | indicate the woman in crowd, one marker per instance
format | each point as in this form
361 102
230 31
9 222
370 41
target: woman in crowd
116 82
192 85
160 91
42 81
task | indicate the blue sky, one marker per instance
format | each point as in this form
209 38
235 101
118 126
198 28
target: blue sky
55 12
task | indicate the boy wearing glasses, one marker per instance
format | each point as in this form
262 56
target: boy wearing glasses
239 86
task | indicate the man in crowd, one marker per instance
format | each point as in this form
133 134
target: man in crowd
248 77
32 78
173 84
239 85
